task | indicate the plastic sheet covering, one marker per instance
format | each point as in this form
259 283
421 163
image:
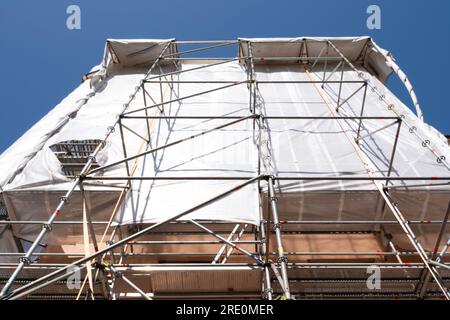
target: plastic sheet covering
229 152
359 51
135 52
321 148
297 147
35 192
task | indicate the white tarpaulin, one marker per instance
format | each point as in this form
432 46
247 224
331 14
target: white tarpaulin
297 147
321 148
227 152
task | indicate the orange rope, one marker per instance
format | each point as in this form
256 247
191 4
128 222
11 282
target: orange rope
339 123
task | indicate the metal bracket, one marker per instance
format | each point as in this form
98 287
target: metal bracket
25 260
266 293
282 259
47 227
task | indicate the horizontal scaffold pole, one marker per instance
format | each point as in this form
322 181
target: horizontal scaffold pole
220 45
185 97
251 81
280 178
172 73
265 117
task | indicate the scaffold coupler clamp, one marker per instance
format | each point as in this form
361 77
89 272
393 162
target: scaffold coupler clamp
267 262
276 226
257 259
102 265
266 293
25 260
118 274
47 227
282 259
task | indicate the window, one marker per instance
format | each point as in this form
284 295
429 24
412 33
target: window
74 154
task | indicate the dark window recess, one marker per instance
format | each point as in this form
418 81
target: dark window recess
3 212
74 154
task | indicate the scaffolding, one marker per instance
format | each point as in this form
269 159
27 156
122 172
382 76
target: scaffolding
248 254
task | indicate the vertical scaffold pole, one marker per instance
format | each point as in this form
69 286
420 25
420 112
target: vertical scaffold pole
425 277
282 259
267 294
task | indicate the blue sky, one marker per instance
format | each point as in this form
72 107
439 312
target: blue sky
42 61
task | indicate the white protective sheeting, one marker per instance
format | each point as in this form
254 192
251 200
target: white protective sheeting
91 122
226 152
135 52
27 146
35 176
307 147
103 103
358 50
322 148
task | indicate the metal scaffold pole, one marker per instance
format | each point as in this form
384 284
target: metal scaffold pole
282 259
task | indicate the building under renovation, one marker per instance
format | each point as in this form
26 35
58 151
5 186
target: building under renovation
284 170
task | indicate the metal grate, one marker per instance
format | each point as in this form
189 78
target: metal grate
74 154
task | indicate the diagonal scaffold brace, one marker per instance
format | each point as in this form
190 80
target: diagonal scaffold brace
81 263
